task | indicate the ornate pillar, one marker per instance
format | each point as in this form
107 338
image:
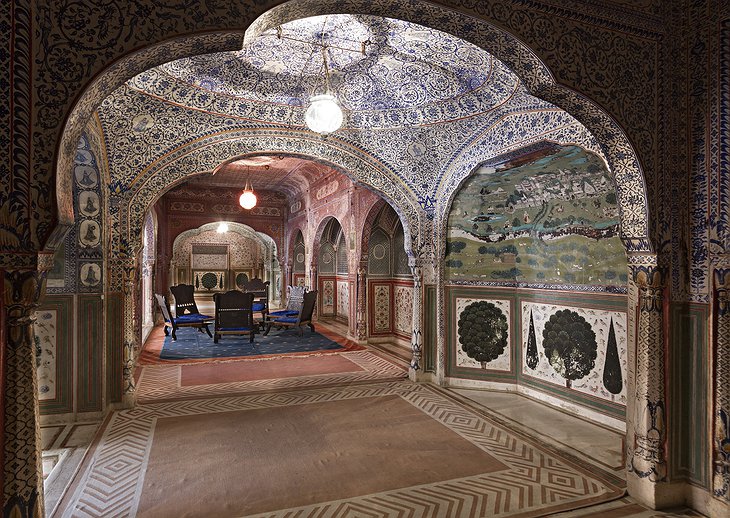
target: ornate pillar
721 436
416 324
361 304
648 452
131 329
22 467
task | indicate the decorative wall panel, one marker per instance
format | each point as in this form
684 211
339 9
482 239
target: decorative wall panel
381 322
577 347
328 296
343 299
53 336
483 334
403 309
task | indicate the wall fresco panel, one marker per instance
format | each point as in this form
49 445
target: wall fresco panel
328 296
54 339
403 309
597 356
483 331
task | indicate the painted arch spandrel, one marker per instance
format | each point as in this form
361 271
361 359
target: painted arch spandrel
548 217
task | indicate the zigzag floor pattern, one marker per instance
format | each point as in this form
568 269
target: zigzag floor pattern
537 480
534 482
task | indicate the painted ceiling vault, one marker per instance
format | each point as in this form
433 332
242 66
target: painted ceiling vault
422 109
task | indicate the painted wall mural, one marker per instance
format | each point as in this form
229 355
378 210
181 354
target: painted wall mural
579 348
547 217
403 306
46 353
483 333
381 308
328 297
343 299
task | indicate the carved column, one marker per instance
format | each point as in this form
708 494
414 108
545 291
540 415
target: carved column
721 436
23 472
131 334
648 459
362 323
416 324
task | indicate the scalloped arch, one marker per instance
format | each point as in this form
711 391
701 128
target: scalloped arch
205 154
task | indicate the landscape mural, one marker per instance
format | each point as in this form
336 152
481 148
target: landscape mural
546 217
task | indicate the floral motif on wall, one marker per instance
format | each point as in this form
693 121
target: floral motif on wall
403 300
328 297
484 332
45 344
243 251
590 344
381 308
343 299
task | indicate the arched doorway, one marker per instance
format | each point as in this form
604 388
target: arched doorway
332 271
639 234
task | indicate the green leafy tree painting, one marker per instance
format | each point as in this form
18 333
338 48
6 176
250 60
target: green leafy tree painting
483 331
531 345
612 378
570 345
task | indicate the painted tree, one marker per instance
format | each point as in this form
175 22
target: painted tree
612 379
570 345
483 331
531 345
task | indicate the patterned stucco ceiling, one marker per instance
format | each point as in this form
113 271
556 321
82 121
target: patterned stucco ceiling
383 71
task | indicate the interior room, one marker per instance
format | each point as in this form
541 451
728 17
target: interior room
352 259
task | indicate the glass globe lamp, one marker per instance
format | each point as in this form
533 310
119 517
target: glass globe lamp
247 199
324 115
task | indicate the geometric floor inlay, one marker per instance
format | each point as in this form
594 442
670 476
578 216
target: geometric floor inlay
525 480
163 382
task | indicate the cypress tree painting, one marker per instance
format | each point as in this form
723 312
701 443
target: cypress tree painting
531 345
570 345
483 331
612 379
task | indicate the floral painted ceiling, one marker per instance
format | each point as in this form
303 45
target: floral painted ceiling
423 109
392 71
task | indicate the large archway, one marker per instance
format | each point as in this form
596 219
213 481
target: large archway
619 155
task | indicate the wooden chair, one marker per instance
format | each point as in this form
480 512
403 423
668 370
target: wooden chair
260 291
190 320
184 300
294 302
304 316
234 314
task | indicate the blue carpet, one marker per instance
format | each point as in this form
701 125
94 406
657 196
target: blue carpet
192 344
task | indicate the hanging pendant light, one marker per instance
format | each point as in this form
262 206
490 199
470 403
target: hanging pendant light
324 115
248 197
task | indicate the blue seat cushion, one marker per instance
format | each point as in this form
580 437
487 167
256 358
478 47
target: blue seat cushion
189 319
286 320
242 329
284 313
258 306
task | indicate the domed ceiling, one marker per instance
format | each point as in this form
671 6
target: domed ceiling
422 110
394 71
